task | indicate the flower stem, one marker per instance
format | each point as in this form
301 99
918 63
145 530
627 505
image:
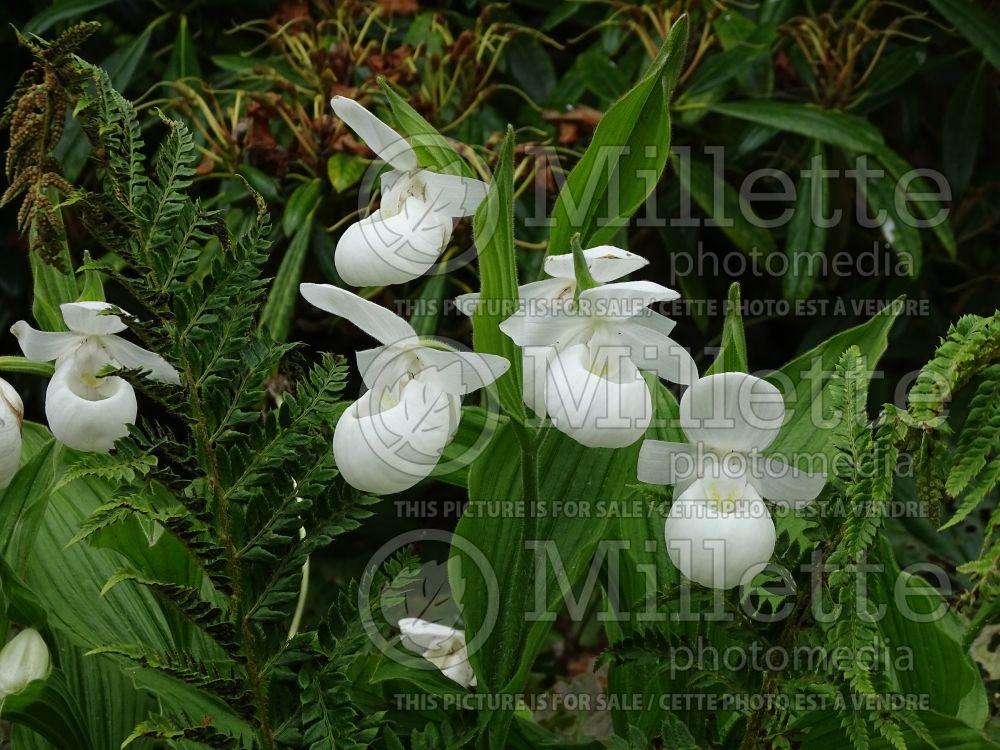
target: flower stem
529 467
584 279
21 364
300 606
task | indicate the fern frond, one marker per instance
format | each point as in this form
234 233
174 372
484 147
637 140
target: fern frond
971 344
210 617
160 728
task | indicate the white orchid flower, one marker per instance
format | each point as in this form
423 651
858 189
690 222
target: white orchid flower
586 342
394 435
22 661
605 263
719 532
11 420
407 234
442 646
85 409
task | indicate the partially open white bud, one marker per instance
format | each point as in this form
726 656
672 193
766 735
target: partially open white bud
442 646
23 660
11 419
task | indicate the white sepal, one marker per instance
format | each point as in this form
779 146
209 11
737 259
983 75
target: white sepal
452 195
459 373
655 352
379 323
383 140
623 299
90 318
133 357
44 346
784 485
605 263
662 462
732 411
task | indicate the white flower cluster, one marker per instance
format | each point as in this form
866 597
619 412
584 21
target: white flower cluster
587 339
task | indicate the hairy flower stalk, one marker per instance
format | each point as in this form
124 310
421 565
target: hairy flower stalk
719 532
86 408
394 435
442 646
586 343
407 234
11 420
23 660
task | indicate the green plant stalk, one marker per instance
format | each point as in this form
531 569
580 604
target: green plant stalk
498 728
300 607
21 364
225 525
584 279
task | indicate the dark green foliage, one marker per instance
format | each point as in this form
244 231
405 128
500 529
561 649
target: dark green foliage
229 472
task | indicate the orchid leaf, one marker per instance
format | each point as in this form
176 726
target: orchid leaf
626 157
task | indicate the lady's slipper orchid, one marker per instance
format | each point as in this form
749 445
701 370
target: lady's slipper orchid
86 409
719 532
394 435
407 234
22 661
605 263
586 342
442 646
11 419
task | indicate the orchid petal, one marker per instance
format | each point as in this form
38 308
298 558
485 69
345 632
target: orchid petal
784 485
44 346
657 353
383 140
596 400
456 667
452 195
387 448
467 303
88 413
442 646
11 420
719 545
624 299
605 262
379 323
662 462
459 373
384 249
653 320
86 318
533 375
134 357
732 411
545 290
557 329
530 295
421 635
